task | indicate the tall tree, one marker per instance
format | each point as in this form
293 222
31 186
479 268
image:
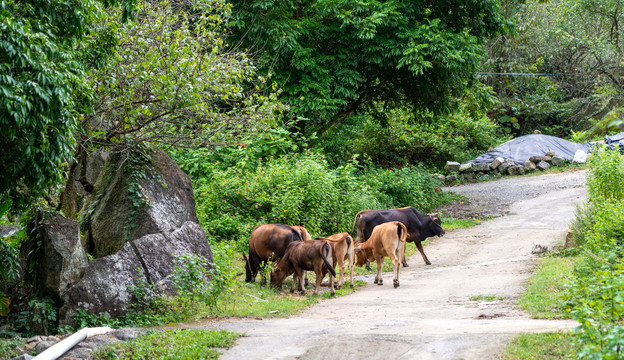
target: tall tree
43 90
171 82
577 44
335 57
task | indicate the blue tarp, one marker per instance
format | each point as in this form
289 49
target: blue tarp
522 148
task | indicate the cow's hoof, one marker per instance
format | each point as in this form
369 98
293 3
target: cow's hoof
351 285
396 283
376 281
380 283
333 293
405 265
428 263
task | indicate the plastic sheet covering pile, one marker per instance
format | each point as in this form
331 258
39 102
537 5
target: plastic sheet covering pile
522 148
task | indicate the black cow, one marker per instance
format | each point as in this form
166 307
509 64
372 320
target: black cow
419 226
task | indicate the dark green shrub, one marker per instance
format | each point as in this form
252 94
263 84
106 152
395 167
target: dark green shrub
596 296
304 190
404 140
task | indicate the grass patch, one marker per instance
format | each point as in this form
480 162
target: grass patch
452 224
8 348
170 344
544 296
253 300
542 346
488 298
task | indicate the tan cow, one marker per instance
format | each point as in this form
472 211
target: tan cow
304 255
342 249
387 239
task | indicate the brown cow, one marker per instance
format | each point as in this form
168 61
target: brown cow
304 255
387 239
342 249
269 242
419 226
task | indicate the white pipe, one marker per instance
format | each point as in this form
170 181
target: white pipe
60 348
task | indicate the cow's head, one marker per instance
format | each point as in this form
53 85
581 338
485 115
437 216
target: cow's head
360 257
362 254
436 225
280 273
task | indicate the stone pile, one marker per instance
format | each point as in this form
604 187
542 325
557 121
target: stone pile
469 171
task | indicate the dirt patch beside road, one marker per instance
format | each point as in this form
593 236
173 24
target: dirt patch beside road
431 316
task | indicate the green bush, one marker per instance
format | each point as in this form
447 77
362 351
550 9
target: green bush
302 189
404 140
605 180
596 296
170 344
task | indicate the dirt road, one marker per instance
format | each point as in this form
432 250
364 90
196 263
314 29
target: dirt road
431 316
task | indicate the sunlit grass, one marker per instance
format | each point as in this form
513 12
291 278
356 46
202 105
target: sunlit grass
544 296
542 346
170 344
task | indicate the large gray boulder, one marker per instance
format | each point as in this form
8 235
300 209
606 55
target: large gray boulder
108 282
129 225
170 203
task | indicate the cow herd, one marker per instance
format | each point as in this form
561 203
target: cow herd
380 234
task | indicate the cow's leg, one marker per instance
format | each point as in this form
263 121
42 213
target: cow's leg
254 266
294 281
319 277
379 277
422 252
351 261
396 265
302 287
404 261
341 265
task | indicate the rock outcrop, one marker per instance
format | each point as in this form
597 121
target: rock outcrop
129 224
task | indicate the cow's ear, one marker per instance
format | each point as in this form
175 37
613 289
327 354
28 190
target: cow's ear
357 250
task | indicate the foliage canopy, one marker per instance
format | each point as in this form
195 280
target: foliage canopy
335 57
171 82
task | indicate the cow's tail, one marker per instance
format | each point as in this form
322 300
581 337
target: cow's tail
401 231
357 216
327 257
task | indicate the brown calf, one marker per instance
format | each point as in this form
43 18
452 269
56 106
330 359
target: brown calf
387 239
342 249
304 255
